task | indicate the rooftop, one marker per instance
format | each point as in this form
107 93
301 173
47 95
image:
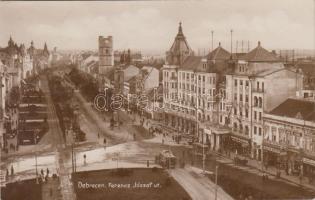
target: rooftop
219 54
259 54
296 108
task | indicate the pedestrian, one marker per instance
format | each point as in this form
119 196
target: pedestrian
148 163
47 171
7 173
12 170
42 172
104 141
98 135
162 141
84 157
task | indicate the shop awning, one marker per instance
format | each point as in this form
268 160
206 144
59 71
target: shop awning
240 140
271 149
309 161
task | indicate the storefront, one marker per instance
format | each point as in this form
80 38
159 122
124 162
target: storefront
309 168
294 161
240 146
271 155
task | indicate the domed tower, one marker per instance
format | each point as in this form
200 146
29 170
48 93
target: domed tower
180 49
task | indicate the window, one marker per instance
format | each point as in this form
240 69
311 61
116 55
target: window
246 84
262 86
255 101
203 78
259 132
235 125
259 116
257 85
235 97
246 130
241 97
255 115
241 82
246 113
203 91
246 98
255 130
235 111
235 82
241 112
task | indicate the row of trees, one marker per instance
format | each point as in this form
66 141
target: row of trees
85 82
62 97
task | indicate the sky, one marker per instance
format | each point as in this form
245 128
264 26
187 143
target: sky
152 25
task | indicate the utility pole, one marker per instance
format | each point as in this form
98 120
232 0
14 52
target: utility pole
231 41
212 40
36 131
216 182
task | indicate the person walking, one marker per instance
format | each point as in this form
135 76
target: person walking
47 171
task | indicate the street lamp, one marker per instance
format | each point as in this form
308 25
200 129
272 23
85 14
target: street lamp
35 140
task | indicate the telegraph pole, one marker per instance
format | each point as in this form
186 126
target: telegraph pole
231 41
212 40
216 182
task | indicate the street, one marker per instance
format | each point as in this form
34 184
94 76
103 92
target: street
122 151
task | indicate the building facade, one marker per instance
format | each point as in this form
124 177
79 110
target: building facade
289 137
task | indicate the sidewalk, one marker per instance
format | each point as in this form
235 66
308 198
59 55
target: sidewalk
197 185
254 166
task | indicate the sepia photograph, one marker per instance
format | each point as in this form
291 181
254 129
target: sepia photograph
157 100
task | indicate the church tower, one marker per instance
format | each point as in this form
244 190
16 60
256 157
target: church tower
180 49
106 55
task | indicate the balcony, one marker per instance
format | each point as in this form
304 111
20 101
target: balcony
258 90
173 77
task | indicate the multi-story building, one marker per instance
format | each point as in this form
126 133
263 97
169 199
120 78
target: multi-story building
260 83
308 70
289 137
192 92
41 57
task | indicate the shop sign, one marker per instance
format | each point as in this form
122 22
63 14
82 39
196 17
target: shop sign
240 140
271 149
309 161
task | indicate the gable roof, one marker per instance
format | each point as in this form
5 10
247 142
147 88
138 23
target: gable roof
296 108
259 54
